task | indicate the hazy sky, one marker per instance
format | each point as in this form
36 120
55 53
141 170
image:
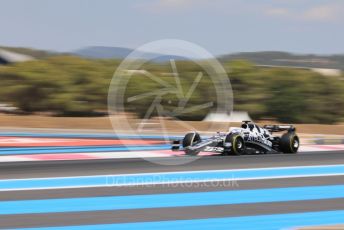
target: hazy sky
220 26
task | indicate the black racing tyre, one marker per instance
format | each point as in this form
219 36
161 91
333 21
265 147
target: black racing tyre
237 144
289 143
189 140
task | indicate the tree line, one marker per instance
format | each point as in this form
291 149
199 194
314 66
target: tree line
73 86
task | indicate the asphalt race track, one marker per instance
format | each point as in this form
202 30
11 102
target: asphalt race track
279 191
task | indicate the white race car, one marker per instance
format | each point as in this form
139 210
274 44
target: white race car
249 139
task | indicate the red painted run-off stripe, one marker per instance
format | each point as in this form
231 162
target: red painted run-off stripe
55 157
66 142
330 147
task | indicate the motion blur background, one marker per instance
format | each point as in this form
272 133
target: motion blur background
284 59
66 162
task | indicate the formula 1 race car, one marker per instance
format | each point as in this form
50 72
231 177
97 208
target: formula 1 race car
249 139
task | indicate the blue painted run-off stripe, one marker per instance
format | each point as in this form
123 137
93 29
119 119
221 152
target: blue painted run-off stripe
171 200
261 222
171 177
79 149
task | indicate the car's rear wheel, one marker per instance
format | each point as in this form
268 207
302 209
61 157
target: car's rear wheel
190 139
289 143
237 144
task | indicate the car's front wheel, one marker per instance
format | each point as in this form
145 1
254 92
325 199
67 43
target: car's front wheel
237 144
191 139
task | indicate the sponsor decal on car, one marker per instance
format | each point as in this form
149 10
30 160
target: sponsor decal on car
213 149
259 139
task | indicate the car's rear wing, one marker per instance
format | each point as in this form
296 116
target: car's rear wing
280 128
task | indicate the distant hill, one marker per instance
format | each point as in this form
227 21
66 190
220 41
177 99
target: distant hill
276 58
104 52
273 58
